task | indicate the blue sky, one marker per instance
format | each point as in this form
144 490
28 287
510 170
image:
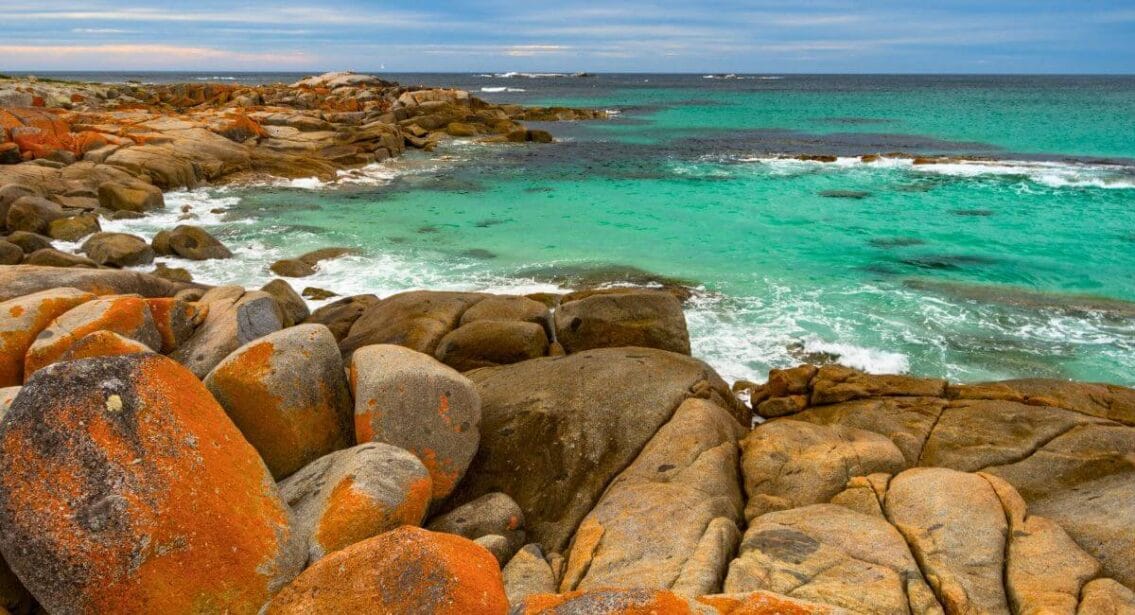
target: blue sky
1084 36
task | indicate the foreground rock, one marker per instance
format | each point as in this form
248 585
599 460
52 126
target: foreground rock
687 474
21 321
95 459
408 570
408 399
555 431
354 494
287 393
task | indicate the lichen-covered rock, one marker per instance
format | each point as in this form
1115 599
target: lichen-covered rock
408 570
623 317
417 320
670 520
125 489
612 601
23 318
127 315
287 393
556 431
176 320
103 343
351 495
410 400
488 343
118 250
235 317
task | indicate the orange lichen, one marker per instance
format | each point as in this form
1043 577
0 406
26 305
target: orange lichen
287 435
211 543
761 603
408 570
103 344
632 602
29 316
351 516
444 478
123 315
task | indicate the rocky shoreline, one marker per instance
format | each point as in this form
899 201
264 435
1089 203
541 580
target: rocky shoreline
168 447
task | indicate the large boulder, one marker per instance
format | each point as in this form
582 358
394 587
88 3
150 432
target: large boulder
408 570
29 242
488 343
235 318
670 520
622 317
26 279
103 343
291 303
118 250
33 214
831 554
21 321
417 320
410 400
192 242
73 228
287 393
339 316
130 196
556 431
50 257
353 494
119 478
128 316
788 463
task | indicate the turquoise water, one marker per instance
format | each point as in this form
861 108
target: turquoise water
1016 260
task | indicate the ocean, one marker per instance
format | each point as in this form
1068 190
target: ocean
1015 260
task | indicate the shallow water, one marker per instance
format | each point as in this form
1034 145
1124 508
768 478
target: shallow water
1018 264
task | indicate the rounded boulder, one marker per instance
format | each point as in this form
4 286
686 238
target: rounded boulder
118 250
23 318
126 315
408 570
410 400
287 393
125 489
354 494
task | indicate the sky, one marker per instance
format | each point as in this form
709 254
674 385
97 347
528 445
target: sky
753 36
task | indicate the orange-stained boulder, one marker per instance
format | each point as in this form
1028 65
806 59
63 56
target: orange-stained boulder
103 343
287 393
410 400
636 601
22 319
125 489
176 320
353 494
408 570
126 315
